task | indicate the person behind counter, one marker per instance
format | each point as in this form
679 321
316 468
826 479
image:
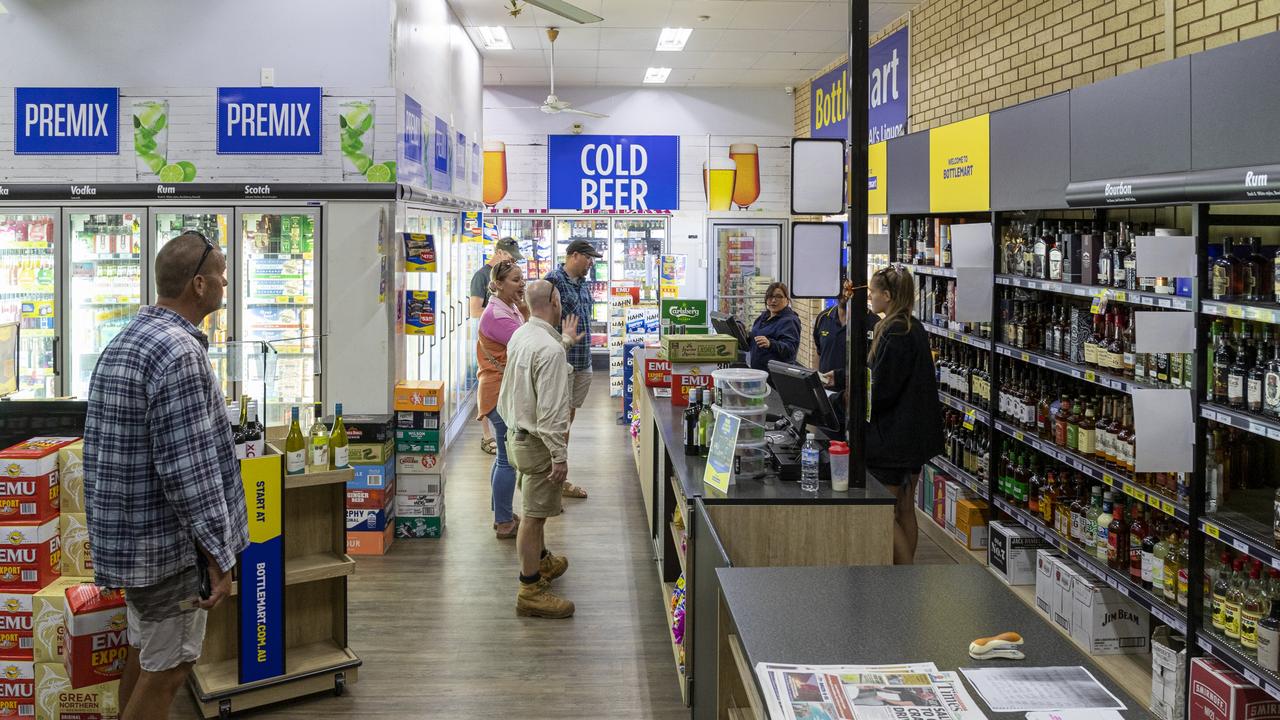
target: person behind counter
775 335
905 427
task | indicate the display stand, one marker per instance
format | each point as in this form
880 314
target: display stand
316 566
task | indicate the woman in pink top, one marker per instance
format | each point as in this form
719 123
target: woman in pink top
504 313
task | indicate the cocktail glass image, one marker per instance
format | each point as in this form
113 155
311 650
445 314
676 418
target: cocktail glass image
495 172
151 140
355 120
746 186
718 177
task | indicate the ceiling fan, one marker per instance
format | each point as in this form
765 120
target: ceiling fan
559 7
554 105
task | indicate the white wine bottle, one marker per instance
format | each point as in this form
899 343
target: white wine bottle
318 443
295 448
338 440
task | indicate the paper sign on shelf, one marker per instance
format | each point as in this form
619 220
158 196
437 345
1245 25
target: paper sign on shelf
419 312
1164 431
1166 255
878 179
724 440
261 599
960 166
1164 332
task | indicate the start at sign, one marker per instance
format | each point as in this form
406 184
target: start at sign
612 177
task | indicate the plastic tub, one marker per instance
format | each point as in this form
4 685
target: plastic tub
751 431
751 462
741 388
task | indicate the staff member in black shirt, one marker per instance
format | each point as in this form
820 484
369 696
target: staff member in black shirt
905 427
829 340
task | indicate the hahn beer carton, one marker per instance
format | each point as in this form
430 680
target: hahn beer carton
71 477
29 487
371 498
76 559
97 635
30 555
418 464
1220 693
17 688
48 620
425 395
17 641
57 700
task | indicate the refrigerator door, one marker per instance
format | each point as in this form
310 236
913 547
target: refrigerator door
168 223
279 267
104 285
423 354
596 231
29 295
535 236
748 259
637 250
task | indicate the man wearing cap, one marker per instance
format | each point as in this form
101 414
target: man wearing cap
505 249
575 300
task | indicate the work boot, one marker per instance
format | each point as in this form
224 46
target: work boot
537 600
553 566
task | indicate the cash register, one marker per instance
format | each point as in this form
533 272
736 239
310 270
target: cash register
729 325
805 404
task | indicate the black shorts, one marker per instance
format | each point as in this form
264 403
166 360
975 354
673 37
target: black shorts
893 477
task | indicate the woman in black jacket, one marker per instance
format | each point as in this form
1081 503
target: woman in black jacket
905 427
775 335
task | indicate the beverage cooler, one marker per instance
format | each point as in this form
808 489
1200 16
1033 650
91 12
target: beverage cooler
29 250
638 243
535 235
748 258
596 231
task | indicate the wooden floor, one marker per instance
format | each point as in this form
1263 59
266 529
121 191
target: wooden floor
434 620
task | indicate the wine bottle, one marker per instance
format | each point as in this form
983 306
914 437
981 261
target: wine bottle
318 443
255 444
338 440
295 447
240 430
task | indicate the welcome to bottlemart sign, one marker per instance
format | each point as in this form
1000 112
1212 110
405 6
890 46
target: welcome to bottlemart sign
888 81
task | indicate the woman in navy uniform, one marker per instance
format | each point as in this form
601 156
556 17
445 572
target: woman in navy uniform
775 335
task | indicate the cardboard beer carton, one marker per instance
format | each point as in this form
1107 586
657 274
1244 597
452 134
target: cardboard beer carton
417 441
17 688
30 555
686 377
1011 553
1220 693
411 506
29 486
700 348
76 559
370 498
97 635
365 428
1046 562
374 520
971 523
420 527
419 395
373 477
418 463
1168 675
1065 573
371 543
71 477
420 485
657 373
418 420
48 620
57 700
370 453
16 639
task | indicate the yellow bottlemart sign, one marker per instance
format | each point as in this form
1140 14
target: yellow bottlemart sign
960 166
877 179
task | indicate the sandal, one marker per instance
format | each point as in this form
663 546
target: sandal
573 491
489 445
514 518
510 532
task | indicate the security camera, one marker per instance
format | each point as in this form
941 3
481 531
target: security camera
577 128
789 90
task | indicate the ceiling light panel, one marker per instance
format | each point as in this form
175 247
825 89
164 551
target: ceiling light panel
673 39
655 75
494 38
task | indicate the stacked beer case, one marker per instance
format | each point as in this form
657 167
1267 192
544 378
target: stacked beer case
419 496
371 492
46 554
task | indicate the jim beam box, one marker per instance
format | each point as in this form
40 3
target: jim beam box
29 479
16 635
57 700
71 477
48 620
97 635
17 688
30 555
76 560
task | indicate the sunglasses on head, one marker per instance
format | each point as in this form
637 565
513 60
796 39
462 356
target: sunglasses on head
208 248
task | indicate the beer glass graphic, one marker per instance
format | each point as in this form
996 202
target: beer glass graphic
746 186
718 176
495 172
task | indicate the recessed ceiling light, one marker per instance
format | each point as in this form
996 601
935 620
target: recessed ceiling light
3 10
656 75
673 39
494 38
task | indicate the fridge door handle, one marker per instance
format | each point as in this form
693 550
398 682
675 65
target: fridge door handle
461 317
444 324
57 347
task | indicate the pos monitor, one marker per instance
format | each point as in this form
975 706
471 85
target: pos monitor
730 325
801 390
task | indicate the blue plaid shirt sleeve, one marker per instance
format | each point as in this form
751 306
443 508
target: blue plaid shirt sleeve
575 299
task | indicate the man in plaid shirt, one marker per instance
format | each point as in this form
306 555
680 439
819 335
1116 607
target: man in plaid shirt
575 300
162 483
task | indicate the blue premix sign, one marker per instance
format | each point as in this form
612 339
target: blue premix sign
269 121
66 121
613 172
888 79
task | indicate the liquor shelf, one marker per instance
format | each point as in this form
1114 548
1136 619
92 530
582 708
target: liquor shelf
1131 297
1220 648
962 477
1121 583
966 338
1127 485
1263 312
1078 372
1240 419
932 270
1244 534
971 411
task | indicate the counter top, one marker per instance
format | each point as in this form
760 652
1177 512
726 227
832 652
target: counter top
768 490
893 614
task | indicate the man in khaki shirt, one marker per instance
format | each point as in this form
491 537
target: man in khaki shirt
534 400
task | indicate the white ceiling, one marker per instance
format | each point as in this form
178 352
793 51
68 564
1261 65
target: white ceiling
743 43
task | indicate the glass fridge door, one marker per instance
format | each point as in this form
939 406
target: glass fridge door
213 224
534 234
423 359
279 300
28 296
637 250
748 259
596 231
104 285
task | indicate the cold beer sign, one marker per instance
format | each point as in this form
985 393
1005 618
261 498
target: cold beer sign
613 172
269 121
66 121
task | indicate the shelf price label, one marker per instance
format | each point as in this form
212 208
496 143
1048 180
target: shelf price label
1235 311
1167 507
1026 357
1212 531
1018 436
1242 547
969 417
1088 375
1273 433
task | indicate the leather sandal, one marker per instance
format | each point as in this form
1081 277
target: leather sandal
489 445
573 491
509 533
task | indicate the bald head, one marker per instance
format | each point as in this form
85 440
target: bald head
176 264
544 301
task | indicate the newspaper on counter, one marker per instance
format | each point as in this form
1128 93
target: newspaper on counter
915 691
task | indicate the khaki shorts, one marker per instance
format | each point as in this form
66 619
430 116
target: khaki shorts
532 462
164 635
580 385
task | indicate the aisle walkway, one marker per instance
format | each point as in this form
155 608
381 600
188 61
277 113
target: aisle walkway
435 620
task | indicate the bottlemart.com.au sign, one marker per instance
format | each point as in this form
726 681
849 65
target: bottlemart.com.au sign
685 312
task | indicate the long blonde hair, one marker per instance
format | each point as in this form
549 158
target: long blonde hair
901 287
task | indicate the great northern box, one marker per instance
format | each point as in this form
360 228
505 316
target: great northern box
700 348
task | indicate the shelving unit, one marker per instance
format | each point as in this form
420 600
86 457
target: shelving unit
667 590
1130 297
1079 372
677 537
966 338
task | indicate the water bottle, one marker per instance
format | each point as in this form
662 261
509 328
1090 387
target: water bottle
810 457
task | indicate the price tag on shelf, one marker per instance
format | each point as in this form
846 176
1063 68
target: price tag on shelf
1212 531
1018 436
1026 357
1251 676
1273 434
1062 547
1164 303
1235 311
1257 428
1088 375
1242 547
1161 615
1121 295
1167 507
1275 563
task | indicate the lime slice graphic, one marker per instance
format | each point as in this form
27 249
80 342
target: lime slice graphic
172 174
153 160
378 174
188 171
